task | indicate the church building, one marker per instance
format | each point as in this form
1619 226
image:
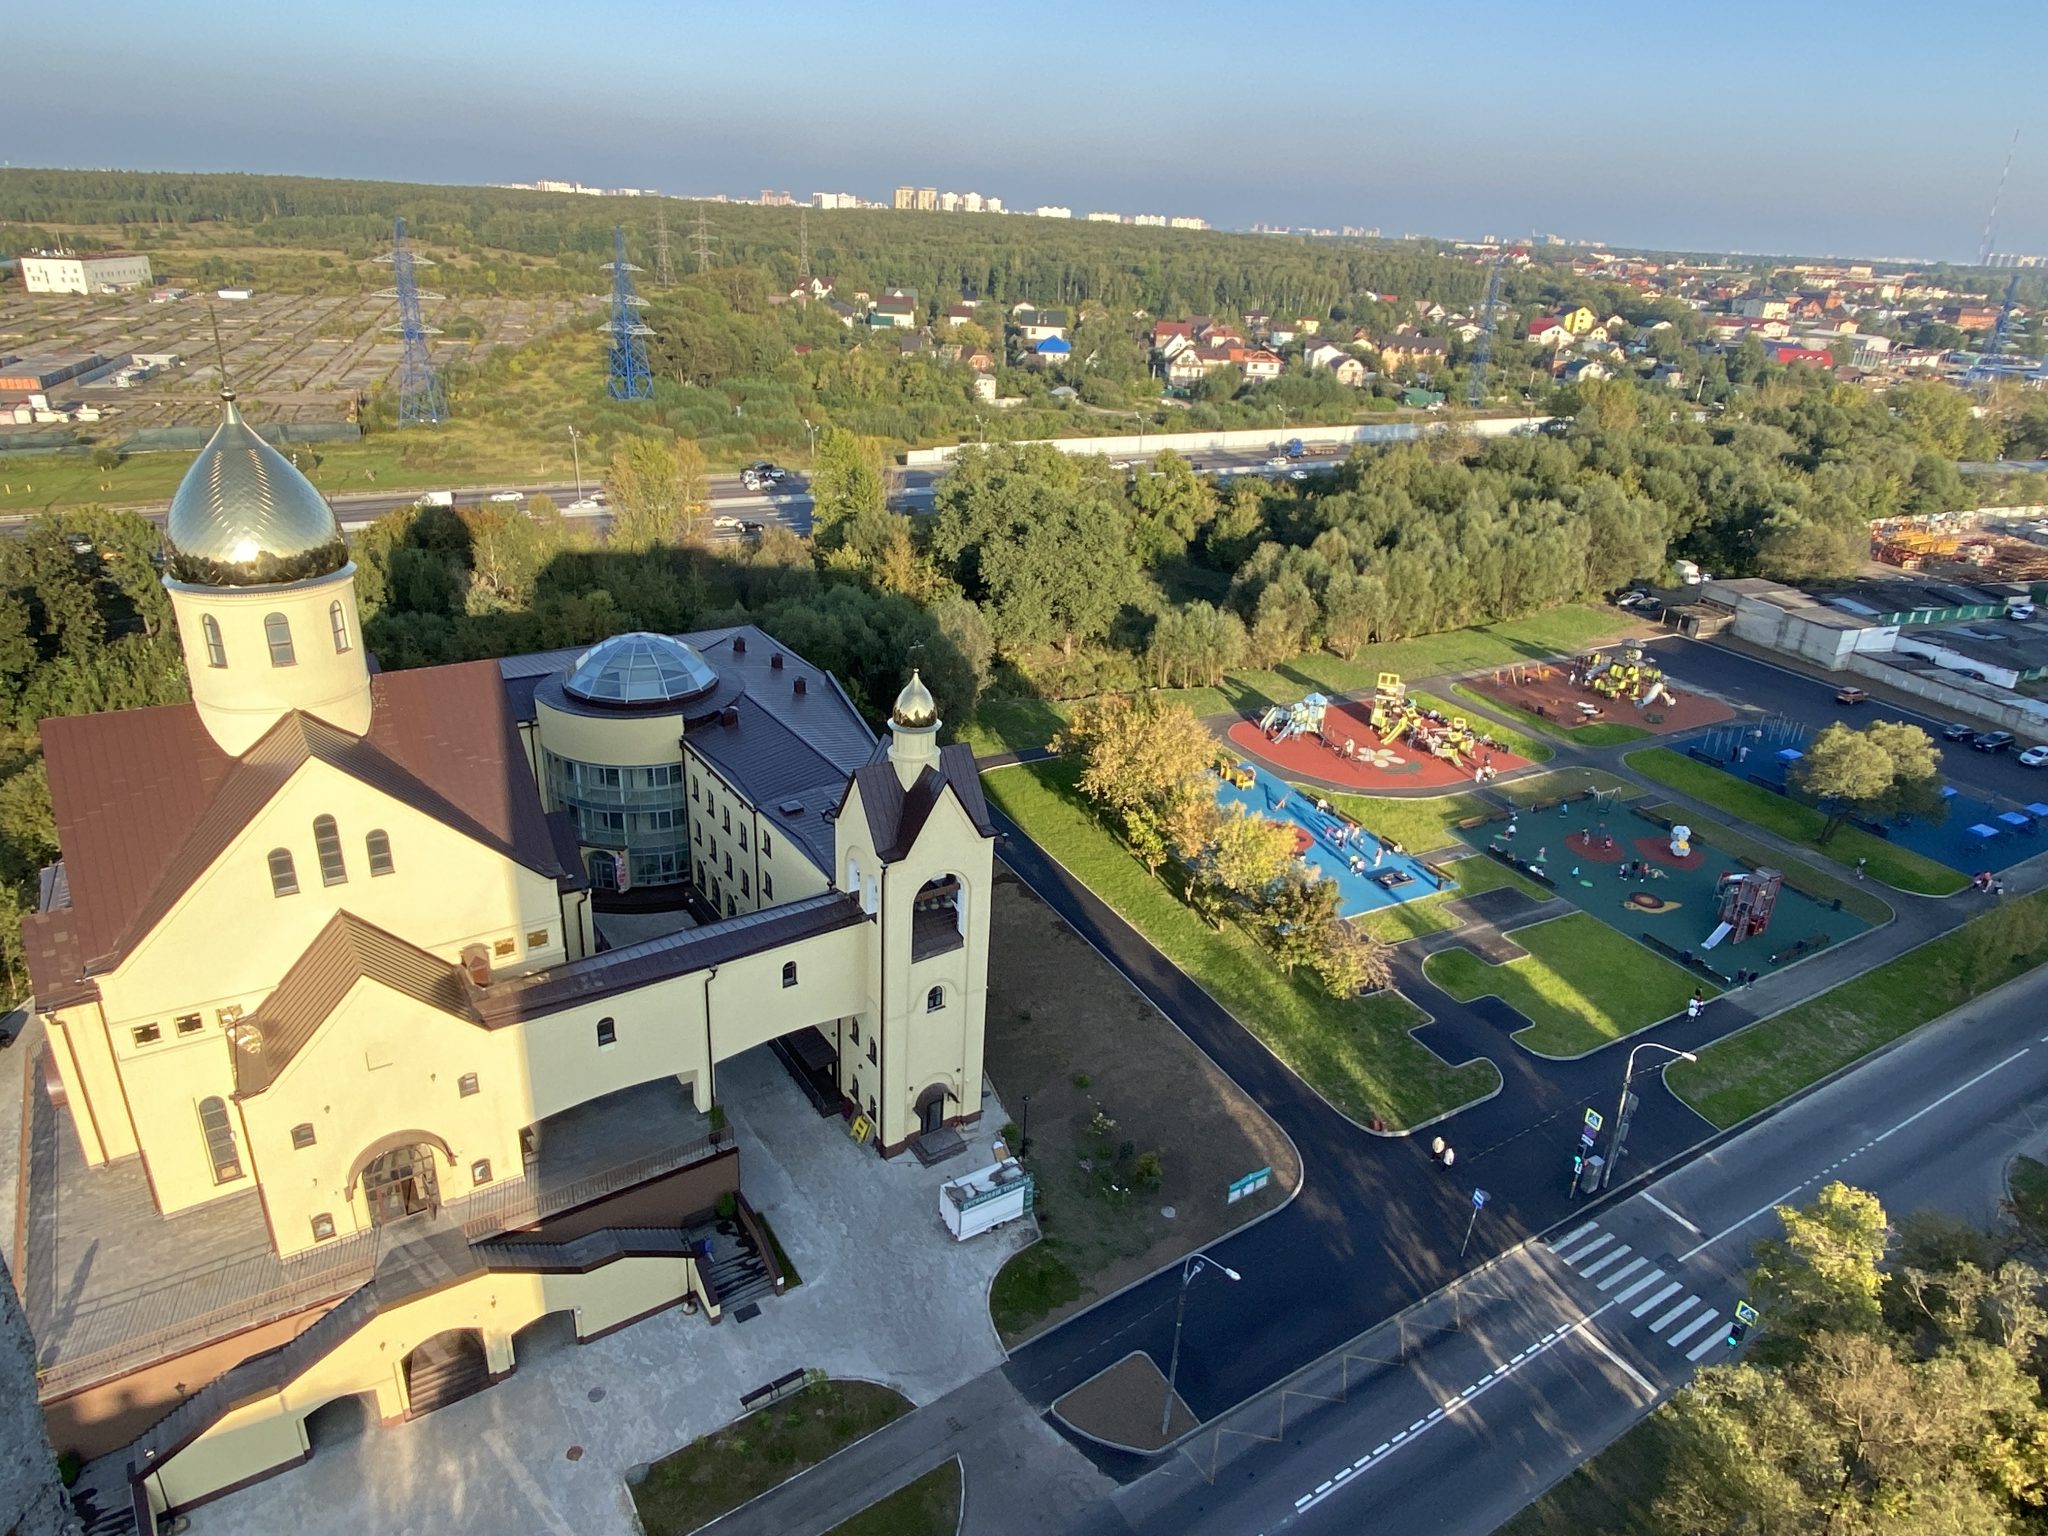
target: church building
340 1084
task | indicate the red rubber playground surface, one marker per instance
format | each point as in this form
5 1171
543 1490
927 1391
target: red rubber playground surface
1376 767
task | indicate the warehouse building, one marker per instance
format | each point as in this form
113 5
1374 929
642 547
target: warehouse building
63 272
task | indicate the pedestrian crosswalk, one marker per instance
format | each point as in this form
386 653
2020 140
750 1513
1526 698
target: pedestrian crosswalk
1686 1322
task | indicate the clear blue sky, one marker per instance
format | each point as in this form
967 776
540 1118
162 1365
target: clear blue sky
1874 127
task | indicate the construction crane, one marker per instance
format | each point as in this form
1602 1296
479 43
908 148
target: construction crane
1991 362
1482 350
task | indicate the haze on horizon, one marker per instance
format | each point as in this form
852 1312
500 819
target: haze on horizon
1798 127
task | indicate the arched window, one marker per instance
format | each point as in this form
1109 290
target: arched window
789 973
935 999
327 838
337 620
216 652
379 846
284 880
277 629
220 1140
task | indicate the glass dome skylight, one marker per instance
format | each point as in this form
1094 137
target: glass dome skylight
639 668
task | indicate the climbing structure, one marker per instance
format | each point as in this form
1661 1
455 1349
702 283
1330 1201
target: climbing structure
1303 719
1747 901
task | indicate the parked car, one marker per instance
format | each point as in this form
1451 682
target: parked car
1851 696
2034 757
1955 731
1993 741
504 496
2021 611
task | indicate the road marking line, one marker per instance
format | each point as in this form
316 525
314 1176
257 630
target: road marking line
1597 1265
1417 1425
1695 1231
1640 1286
1325 1488
1403 1435
1578 1232
1690 1329
1674 1314
1712 1341
1597 1243
1623 1273
1606 1349
1381 1448
1657 1300
1929 1108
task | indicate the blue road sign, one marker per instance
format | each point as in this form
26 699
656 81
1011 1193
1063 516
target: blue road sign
1745 1313
1479 1198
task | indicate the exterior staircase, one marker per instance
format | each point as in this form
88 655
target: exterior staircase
735 1268
444 1370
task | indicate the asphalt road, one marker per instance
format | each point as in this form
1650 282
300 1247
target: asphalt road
1544 1359
1812 702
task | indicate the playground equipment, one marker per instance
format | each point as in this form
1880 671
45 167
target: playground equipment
1681 841
1302 719
1396 717
1234 773
1627 676
1754 740
1746 902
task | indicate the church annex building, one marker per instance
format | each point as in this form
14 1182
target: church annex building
340 1086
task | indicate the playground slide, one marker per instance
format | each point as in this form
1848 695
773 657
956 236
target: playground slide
1716 936
1400 726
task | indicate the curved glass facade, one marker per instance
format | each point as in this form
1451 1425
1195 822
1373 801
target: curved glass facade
638 814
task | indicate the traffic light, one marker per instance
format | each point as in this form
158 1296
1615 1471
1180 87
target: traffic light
1737 1332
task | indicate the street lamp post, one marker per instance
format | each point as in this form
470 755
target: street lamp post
576 453
1621 1108
1188 1270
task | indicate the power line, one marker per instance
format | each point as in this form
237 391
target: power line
803 245
420 401
664 270
701 241
631 378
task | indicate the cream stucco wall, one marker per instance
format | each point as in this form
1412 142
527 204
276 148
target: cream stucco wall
627 737
328 676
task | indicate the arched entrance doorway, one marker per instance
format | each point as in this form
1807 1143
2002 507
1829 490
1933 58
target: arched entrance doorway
445 1369
931 1109
402 1183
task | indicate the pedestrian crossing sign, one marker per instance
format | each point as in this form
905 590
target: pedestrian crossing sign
859 1127
1594 1120
1745 1313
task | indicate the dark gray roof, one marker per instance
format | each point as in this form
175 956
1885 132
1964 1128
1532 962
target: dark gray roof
896 815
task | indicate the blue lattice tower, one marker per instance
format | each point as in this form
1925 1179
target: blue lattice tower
1482 352
420 401
631 378
1992 362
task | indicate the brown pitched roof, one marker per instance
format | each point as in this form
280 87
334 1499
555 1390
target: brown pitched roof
346 950
897 815
145 800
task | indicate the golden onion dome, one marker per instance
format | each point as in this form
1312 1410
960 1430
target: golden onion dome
915 706
244 517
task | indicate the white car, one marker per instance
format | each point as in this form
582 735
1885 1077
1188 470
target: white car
2034 757
507 496
585 505
1297 474
1119 463
1278 462
725 520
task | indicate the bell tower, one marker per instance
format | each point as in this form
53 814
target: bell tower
264 592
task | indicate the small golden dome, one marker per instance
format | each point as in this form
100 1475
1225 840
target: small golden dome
915 706
244 517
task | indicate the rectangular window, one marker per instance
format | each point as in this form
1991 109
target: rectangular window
746 886
607 1032
466 1085
767 846
872 1057
694 782
728 866
302 1137
191 1023
767 886
323 1227
728 818
504 949
743 838
854 1026
538 939
147 1034
480 1171
697 833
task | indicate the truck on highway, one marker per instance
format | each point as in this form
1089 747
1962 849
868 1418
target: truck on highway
436 499
1297 449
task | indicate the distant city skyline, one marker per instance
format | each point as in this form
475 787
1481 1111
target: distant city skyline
1767 129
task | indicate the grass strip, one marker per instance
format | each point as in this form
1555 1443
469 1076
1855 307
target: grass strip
717 1473
1426 914
1854 895
1776 1057
1601 733
1900 868
1421 825
1581 985
1030 1287
1563 783
929 1506
1356 1052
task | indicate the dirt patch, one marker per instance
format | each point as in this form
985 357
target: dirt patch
1068 1032
1122 1406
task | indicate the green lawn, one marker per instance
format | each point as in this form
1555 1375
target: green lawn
1581 985
1855 895
1563 783
1034 1283
1426 914
1611 1493
717 1473
1895 866
1605 733
929 1506
1419 825
1007 725
1356 1052
1515 741
1776 1057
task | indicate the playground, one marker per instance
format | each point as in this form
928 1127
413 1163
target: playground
1387 742
1974 836
1370 873
1619 688
1675 893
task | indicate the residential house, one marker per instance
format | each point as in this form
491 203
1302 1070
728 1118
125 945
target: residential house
985 388
1186 367
846 312
897 311
1791 352
1321 354
1257 362
1577 321
1282 333
1410 350
960 314
1051 351
980 360
1581 369
1042 325
1166 332
1548 331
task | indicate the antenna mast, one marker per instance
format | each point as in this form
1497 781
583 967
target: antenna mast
1991 219
664 270
420 401
631 379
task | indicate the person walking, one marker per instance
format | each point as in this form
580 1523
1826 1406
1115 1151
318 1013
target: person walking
1861 865
1693 1007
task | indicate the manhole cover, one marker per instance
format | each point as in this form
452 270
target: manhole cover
575 1453
1168 1212
596 1394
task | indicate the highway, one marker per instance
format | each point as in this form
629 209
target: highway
1539 1361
